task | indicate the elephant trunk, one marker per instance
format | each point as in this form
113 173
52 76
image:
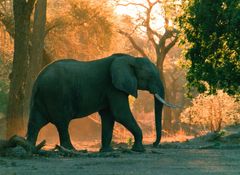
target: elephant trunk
158 120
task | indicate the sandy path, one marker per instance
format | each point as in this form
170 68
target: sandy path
160 161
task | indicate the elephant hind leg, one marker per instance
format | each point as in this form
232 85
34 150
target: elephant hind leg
107 129
35 123
64 135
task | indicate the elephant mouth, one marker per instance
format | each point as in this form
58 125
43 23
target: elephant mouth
152 91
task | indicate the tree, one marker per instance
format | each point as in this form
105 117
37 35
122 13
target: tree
162 38
87 29
29 64
7 20
36 51
211 36
175 78
22 11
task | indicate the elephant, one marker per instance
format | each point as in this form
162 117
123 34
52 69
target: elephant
68 89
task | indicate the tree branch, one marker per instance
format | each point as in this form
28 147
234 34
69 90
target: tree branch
151 4
133 42
150 34
131 3
20 141
166 35
53 24
171 44
8 22
155 33
3 6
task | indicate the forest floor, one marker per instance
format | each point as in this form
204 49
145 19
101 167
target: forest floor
153 162
214 153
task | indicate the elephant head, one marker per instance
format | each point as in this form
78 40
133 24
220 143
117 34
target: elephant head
132 73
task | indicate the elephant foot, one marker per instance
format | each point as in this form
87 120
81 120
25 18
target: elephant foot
156 144
106 149
138 148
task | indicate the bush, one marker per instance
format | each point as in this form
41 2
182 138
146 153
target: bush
212 112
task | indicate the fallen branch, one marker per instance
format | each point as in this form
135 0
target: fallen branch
68 152
15 141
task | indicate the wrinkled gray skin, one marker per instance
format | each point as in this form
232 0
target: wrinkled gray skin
69 89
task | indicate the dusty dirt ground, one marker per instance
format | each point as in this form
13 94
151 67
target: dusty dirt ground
213 153
154 161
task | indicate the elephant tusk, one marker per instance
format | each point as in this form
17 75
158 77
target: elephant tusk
166 103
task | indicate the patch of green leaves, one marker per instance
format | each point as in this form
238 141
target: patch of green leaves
211 32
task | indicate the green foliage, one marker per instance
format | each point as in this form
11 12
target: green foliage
211 34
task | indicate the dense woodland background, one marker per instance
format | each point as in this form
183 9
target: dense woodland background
195 45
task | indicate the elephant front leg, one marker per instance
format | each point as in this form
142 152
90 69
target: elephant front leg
107 130
130 123
122 114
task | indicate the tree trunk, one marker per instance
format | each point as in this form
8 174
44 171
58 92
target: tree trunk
36 51
173 94
166 110
22 12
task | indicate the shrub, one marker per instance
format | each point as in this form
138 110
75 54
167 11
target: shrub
212 112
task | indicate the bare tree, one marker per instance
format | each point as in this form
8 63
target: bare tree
161 39
175 83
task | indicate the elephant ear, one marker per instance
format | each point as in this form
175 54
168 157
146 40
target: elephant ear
123 76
